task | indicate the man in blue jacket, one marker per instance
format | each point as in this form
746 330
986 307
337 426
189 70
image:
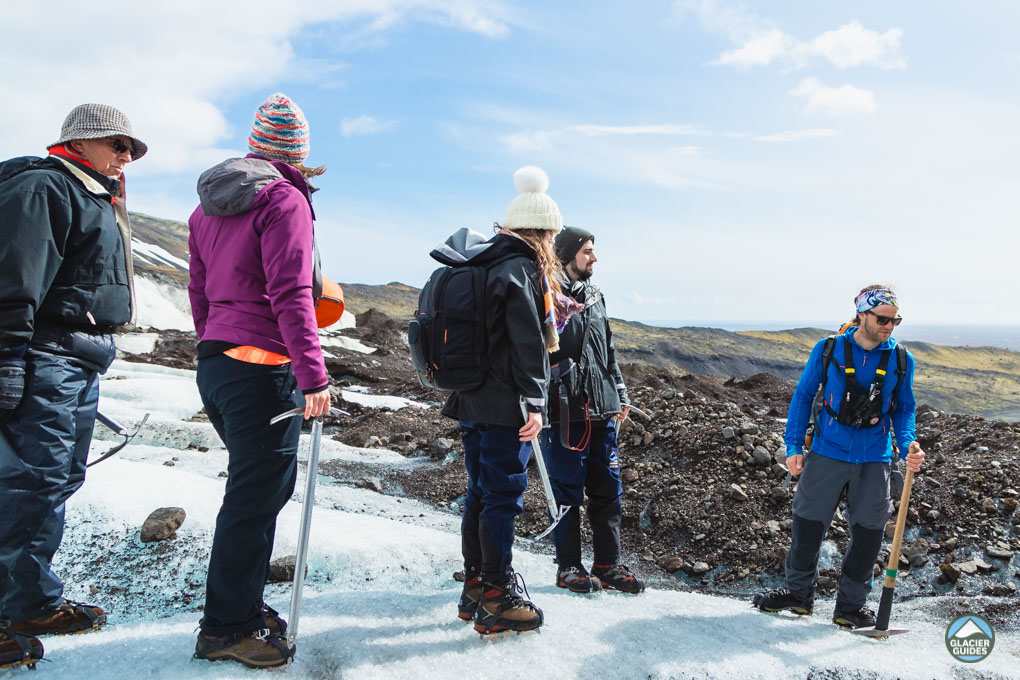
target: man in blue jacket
867 406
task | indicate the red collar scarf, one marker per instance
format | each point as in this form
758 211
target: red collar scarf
65 151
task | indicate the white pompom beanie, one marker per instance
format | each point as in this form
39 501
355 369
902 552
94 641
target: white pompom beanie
533 208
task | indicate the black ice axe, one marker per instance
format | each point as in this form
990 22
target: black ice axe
117 428
881 629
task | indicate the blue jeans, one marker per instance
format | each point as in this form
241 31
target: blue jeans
43 451
595 472
497 470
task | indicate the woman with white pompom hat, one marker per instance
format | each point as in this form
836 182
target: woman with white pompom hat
520 290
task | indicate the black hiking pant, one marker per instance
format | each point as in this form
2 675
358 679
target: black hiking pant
44 446
593 472
240 399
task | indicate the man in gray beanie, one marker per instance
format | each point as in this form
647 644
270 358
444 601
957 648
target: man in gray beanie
588 399
65 285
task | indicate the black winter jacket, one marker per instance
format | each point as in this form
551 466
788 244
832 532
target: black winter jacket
595 379
64 261
518 360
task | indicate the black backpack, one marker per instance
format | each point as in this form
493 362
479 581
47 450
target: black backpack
448 335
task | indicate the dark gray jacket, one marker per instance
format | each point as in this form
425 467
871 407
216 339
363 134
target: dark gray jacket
64 261
518 360
595 379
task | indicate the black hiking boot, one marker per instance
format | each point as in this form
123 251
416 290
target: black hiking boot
851 620
470 595
618 577
257 649
502 608
576 579
67 617
781 599
18 650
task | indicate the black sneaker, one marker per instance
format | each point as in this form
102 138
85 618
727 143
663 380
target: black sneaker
257 649
502 608
618 577
577 580
862 618
470 596
19 650
781 599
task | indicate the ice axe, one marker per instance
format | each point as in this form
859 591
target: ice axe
308 504
117 428
556 512
881 629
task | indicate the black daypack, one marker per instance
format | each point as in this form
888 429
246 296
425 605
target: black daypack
448 335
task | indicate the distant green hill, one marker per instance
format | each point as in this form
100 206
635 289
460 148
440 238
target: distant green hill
976 380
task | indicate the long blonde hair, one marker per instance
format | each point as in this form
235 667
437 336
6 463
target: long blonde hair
309 172
545 257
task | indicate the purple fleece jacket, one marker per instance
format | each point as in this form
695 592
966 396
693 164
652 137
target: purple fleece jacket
251 242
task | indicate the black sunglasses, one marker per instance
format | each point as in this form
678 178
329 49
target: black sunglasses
886 320
120 147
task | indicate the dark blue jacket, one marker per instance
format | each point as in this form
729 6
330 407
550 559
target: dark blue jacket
841 442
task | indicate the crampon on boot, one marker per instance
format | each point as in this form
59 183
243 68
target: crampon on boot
67 617
470 595
19 650
502 608
853 619
781 599
576 579
618 577
256 649
276 624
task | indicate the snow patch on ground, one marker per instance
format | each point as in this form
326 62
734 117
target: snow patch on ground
159 305
349 344
136 343
156 255
381 401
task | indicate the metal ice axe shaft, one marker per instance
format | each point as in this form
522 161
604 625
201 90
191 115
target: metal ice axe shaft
307 506
556 512
116 427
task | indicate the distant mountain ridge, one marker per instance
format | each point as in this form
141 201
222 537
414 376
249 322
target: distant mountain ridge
974 380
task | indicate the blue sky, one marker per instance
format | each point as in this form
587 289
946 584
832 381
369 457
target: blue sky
755 161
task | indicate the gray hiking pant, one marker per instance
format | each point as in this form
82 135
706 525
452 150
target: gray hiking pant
868 509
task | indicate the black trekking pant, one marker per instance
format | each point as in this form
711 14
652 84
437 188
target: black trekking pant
593 472
240 399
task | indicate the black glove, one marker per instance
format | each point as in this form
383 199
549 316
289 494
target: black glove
12 386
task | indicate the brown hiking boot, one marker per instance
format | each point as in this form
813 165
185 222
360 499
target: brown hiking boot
502 608
68 617
276 624
19 650
257 649
470 596
618 577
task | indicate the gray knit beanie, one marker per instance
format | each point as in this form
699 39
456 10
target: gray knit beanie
94 121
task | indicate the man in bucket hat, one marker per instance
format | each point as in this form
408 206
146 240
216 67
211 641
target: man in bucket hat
65 285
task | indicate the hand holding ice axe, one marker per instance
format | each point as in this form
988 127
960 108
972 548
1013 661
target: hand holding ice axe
307 506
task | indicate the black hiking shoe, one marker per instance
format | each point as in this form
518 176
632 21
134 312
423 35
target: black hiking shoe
257 649
502 608
618 577
19 650
576 579
470 596
276 624
67 617
781 599
851 620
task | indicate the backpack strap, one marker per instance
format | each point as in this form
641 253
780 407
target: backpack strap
830 343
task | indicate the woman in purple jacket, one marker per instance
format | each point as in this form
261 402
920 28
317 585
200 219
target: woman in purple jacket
252 262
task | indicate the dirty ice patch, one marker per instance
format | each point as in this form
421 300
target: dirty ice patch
380 401
133 389
136 343
158 305
349 344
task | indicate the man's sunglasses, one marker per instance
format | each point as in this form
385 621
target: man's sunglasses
119 146
886 320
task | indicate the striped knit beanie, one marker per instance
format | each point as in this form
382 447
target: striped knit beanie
280 130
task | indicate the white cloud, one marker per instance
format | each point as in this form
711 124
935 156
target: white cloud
795 135
834 100
172 78
364 125
633 130
760 42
